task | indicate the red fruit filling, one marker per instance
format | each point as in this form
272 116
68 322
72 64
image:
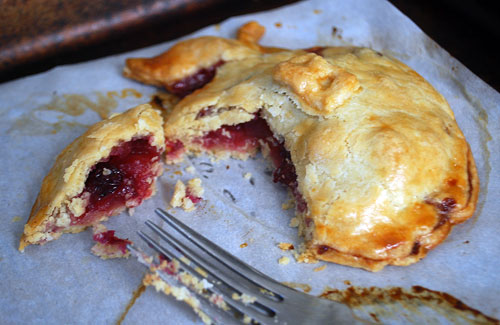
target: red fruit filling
173 149
108 238
242 137
195 199
248 137
199 79
443 208
316 50
122 180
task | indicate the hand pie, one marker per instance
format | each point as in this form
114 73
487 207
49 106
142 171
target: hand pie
370 150
110 167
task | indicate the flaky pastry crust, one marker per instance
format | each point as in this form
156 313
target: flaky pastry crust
380 160
66 179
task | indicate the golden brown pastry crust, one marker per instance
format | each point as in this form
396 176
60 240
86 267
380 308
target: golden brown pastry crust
184 59
380 160
67 177
187 57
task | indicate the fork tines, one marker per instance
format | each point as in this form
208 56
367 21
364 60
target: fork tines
222 280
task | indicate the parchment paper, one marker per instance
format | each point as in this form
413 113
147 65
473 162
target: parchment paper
61 282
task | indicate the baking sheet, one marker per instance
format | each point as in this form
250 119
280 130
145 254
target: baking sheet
62 282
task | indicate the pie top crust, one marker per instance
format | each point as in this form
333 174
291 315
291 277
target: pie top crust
380 160
66 179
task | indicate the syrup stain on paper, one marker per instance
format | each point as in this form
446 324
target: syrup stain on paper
136 294
52 117
417 305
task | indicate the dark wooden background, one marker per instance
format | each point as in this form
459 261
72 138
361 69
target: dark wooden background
36 35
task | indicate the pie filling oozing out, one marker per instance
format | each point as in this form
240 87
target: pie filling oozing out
109 246
111 167
246 137
123 180
378 166
249 137
189 84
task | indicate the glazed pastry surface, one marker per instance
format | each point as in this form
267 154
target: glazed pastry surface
380 160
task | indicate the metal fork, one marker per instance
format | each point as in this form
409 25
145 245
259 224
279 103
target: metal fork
229 286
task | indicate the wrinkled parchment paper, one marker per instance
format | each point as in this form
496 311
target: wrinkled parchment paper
61 282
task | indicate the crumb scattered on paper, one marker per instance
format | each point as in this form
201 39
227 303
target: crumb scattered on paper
190 169
319 268
131 211
246 299
194 188
302 256
16 219
247 176
288 205
107 244
243 245
186 197
284 260
285 246
180 293
294 222
294 285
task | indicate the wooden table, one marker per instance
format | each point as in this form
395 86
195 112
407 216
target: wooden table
36 35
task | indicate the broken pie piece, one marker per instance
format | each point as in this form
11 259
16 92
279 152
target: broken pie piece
187 197
111 167
107 244
372 153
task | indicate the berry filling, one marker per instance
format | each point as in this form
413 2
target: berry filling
195 199
197 80
244 137
248 137
108 238
173 149
122 180
316 50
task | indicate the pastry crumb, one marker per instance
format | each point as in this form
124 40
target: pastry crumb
245 299
284 260
131 211
294 222
243 245
285 246
288 204
179 194
319 268
107 244
16 219
186 197
301 255
247 176
180 293
294 285
190 169
194 188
